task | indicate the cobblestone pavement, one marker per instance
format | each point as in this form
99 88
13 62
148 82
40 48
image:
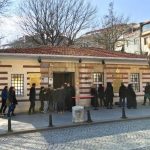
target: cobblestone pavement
130 135
25 122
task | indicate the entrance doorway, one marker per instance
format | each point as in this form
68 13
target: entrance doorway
59 78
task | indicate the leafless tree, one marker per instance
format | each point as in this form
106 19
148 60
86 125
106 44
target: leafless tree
113 26
3 6
49 22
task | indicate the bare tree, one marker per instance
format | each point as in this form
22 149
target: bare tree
3 6
52 21
113 27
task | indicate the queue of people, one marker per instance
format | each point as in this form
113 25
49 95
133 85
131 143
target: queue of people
63 98
8 101
103 97
60 99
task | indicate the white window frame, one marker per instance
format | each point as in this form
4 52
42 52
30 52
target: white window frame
135 80
18 84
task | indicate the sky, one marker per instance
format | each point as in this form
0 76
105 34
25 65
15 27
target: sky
136 10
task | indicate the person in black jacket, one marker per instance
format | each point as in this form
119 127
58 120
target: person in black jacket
122 93
146 93
42 98
131 97
61 95
13 101
4 96
109 94
101 95
32 98
68 97
49 97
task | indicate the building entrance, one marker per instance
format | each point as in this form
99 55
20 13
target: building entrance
59 78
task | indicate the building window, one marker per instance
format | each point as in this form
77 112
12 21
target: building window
97 78
17 81
127 43
145 41
135 80
136 41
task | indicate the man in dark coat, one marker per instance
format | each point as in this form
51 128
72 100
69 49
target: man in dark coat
109 94
42 98
122 94
101 95
32 98
69 95
73 93
146 93
61 95
49 97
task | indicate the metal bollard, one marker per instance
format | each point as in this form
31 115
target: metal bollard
89 116
50 120
123 110
9 124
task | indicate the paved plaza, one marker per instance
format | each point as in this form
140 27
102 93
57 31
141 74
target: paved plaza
128 135
24 122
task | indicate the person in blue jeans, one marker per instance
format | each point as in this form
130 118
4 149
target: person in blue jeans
4 96
13 101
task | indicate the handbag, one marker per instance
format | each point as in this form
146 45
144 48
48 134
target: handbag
7 102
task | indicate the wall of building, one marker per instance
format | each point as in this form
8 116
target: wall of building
114 71
11 65
130 41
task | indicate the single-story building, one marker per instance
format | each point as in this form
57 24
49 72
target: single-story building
79 66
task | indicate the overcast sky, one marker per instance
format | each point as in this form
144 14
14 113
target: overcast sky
136 10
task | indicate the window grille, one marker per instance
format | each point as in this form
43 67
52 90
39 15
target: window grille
135 80
17 81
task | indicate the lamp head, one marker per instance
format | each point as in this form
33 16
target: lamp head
39 59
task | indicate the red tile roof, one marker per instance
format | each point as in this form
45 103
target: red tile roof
95 52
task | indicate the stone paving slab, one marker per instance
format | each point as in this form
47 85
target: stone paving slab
24 122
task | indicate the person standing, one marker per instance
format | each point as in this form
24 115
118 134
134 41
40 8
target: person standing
4 96
109 94
146 93
94 98
69 97
32 98
61 95
101 95
122 94
49 97
42 98
131 97
13 101
73 93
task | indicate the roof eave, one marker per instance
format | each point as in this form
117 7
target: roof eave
71 56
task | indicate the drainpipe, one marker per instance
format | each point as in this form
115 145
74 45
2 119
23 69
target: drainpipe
141 27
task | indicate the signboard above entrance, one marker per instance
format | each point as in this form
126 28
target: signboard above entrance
35 78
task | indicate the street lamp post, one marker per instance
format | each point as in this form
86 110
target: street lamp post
123 109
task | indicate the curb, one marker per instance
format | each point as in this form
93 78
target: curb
71 126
